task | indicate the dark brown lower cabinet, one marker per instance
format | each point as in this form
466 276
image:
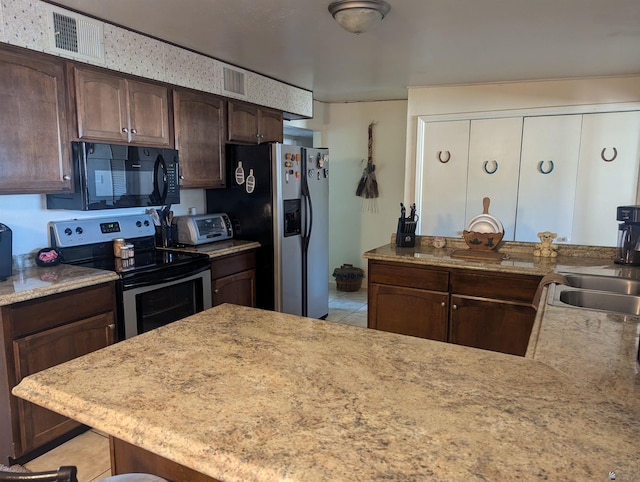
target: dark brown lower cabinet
127 459
408 311
481 309
39 334
233 279
490 324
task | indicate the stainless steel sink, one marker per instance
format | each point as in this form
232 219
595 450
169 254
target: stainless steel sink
596 300
603 283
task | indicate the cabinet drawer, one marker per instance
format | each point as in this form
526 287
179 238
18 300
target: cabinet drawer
233 263
513 287
43 313
408 275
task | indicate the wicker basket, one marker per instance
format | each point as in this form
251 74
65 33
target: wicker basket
348 278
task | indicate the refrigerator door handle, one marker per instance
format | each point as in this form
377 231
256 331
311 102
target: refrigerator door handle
306 235
308 224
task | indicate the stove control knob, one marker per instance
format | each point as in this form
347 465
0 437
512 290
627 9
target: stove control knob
68 231
79 230
146 223
139 223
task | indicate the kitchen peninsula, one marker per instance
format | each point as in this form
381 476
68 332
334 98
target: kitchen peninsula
238 394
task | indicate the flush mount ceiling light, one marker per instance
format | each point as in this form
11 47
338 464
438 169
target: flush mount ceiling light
359 16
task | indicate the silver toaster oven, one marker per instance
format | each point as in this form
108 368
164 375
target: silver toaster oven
203 228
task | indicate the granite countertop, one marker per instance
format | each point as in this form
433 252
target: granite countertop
221 248
242 394
35 282
517 258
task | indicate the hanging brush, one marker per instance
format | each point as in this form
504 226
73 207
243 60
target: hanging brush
368 185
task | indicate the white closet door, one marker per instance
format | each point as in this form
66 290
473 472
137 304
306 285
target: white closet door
494 165
443 188
607 175
548 171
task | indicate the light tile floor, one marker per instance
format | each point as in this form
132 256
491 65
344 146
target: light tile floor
90 451
348 307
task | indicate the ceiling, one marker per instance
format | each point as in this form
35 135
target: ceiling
419 43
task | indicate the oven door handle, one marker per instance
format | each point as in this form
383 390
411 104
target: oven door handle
131 284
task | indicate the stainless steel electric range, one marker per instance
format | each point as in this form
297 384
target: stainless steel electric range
156 286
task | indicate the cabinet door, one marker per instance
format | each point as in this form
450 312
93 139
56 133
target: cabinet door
199 126
148 113
607 175
242 122
548 171
42 350
270 126
494 167
443 178
490 324
101 106
34 152
408 311
239 289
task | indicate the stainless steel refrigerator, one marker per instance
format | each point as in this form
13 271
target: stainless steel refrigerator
278 195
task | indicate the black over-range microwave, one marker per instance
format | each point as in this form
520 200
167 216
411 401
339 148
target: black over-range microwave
109 176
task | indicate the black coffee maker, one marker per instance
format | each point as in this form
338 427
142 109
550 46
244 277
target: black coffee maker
628 251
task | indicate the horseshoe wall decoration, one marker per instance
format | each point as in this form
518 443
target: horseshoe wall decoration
444 161
551 166
615 154
495 167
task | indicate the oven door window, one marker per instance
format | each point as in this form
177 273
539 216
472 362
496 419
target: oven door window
165 305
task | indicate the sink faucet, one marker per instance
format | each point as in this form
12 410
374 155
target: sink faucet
551 278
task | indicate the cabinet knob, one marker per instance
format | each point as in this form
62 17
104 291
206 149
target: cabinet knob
66 177
455 307
133 131
216 291
112 326
443 304
125 130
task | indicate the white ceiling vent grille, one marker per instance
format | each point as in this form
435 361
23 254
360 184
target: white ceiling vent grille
76 36
235 82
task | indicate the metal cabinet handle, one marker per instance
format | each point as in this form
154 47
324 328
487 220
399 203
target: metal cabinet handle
551 166
444 161
495 167
66 177
615 154
125 130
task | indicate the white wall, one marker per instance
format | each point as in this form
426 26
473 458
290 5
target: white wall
354 226
506 96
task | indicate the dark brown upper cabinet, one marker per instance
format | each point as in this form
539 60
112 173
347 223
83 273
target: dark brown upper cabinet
199 129
251 124
113 108
34 142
